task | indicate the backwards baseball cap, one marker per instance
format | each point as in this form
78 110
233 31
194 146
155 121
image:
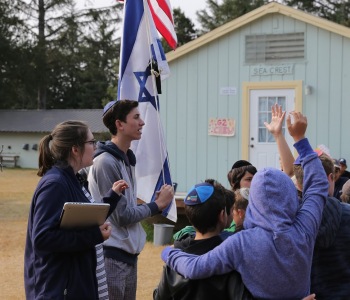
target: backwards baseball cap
342 161
199 194
108 106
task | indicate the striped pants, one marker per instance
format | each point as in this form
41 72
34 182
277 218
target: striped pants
101 274
121 279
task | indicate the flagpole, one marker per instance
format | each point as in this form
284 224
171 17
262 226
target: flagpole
147 12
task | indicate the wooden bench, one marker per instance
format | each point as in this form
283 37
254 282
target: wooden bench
9 158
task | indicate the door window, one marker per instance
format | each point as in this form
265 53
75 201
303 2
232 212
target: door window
264 106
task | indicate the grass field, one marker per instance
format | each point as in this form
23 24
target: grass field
16 189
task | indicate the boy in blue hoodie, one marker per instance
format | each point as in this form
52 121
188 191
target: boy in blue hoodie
274 252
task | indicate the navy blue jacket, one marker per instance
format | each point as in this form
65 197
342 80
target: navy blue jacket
330 272
173 286
60 264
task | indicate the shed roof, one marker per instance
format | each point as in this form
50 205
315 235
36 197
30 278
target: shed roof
270 8
46 120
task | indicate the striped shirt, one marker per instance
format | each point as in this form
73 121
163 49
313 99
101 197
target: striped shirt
100 265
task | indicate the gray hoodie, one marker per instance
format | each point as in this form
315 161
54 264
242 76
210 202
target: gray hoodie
111 164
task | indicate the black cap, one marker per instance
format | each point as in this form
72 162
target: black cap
342 161
241 163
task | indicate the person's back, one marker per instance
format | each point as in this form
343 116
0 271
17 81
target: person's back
274 252
330 273
208 217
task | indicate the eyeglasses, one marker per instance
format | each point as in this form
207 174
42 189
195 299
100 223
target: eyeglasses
91 142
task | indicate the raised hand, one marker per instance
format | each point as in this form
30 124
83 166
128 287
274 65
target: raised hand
297 129
275 126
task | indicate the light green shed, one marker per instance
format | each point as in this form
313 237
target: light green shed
223 84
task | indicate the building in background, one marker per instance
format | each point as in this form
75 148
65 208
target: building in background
223 84
22 130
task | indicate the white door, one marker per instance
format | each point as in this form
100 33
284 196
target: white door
263 150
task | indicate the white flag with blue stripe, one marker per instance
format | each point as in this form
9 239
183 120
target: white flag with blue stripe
140 50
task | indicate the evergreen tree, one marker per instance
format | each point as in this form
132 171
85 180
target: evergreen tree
16 72
218 14
84 59
337 11
59 56
184 29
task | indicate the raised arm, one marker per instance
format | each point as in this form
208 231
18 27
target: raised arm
315 183
275 128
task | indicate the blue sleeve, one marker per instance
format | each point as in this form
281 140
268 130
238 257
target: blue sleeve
222 259
46 234
315 189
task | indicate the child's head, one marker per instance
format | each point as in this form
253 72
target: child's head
229 198
345 196
241 174
205 207
117 110
240 206
328 166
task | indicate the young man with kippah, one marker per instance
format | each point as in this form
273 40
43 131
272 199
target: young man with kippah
114 161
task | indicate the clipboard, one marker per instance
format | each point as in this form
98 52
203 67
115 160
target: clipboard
77 215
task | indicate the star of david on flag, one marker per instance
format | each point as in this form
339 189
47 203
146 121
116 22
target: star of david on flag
142 66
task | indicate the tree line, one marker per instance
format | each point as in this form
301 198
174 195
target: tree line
53 55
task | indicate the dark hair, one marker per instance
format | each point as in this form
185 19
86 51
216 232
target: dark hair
229 195
235 175
57 146
118 111
327 164
204 216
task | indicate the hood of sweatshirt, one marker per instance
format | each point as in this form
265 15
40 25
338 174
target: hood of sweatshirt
273 201
112 148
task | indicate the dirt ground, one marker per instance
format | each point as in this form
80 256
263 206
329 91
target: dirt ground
16 189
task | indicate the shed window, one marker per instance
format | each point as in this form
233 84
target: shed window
265 48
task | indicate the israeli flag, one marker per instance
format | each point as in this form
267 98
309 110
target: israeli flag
142 65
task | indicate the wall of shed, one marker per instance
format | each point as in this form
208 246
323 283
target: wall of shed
192 95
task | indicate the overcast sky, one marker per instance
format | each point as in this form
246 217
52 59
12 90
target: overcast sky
189 7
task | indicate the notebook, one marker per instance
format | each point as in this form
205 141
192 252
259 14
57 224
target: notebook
82 214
